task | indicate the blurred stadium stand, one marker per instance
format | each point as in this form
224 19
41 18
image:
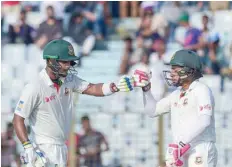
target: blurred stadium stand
131 133
132 136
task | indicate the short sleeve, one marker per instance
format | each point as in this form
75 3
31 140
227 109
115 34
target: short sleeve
205 101
79 85
29 100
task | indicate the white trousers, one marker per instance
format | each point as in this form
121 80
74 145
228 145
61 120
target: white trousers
201 155
55 154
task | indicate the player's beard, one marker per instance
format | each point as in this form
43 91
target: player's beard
172 80
63 73
176 82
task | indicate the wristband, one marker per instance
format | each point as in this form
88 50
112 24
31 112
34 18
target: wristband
109 88
146 88
27 144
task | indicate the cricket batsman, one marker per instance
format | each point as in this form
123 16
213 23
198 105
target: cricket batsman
191 107
47 103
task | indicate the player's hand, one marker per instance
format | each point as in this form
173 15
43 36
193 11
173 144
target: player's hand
174 154
32 155
125 84
142 79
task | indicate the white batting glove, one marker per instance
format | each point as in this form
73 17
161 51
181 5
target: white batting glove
142 79
125 84
174 154
32 156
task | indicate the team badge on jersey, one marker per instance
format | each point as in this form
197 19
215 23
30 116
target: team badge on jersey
198 160
185 102
20 105
71 50
66 91
69 78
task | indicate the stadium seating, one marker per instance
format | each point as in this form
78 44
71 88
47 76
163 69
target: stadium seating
14 54
224 24
35 55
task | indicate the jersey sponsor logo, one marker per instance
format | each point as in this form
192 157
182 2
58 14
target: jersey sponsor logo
20 105
205 107
50 98
198 160
66 91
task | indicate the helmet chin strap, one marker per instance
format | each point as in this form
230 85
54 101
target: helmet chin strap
55 68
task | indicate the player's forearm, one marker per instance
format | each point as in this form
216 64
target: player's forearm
101 89
196 128
149 104
20 128
95 90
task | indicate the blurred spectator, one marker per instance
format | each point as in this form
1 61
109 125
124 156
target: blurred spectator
2 25
48 30
158 23
205 29
216 59
90 145
219 5
147 7
158 63
4 29
171 11
161 53
9 7
58 9
21 32
93 13
129 8
192 35
145 34
193 6
203 39
81 34
142 64
30 6
138 52
8 147
125 61
227 71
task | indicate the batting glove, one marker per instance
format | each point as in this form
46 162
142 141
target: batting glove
174 154
32 155
125 84
142 79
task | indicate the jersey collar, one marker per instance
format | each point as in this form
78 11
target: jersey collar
191 86
46 78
